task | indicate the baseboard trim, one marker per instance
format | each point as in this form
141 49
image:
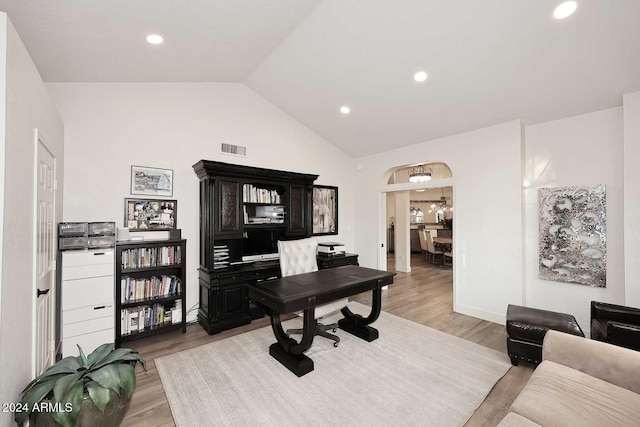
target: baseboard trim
499 318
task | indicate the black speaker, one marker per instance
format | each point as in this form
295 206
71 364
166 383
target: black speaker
175 234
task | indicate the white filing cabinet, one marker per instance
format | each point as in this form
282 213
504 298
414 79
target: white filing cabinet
87 300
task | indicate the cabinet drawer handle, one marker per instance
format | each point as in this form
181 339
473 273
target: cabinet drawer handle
99 307
99 253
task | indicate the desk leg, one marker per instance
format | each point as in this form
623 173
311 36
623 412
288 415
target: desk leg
356 325
287 350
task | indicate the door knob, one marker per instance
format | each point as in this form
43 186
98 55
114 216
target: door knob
43 292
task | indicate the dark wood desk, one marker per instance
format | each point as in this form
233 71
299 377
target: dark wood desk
303 292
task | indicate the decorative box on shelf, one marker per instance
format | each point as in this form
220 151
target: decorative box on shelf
86 235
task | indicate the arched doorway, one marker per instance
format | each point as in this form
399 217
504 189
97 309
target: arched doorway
408 207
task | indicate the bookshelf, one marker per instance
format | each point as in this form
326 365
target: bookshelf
150 289
263 206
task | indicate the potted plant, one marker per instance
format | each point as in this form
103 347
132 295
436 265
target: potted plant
81 390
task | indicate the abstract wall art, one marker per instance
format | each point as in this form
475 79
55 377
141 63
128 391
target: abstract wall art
325 210
573 235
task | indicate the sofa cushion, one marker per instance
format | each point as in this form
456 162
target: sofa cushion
514 420
610 363
560 396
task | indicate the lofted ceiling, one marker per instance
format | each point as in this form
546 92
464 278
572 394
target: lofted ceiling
488 61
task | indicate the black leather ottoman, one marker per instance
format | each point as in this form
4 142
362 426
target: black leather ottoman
526 328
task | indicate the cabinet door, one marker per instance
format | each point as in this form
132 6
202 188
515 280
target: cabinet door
227 219
296 217
233 301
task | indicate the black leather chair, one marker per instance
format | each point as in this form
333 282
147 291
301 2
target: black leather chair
526 328
615 324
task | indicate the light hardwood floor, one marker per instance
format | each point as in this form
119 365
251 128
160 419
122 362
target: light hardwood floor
424 296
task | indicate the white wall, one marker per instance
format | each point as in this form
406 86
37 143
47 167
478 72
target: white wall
632 198
110 127
488 248
582 150
3 102
27 107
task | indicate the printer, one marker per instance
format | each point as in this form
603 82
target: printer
330 248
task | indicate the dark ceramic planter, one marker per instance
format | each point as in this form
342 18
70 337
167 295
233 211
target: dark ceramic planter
89 415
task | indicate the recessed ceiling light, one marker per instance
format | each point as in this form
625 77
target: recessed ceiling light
345 110
565 9
154 39
420 76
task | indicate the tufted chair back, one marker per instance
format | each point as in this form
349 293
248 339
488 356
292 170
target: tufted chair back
298 256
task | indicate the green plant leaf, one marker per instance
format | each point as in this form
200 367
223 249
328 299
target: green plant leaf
108 377
100 395
68 365
118 355
99 353
133 357
39 380
127 378
64 384
74 396
83 358
34 395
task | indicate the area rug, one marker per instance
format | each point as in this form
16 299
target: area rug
411 376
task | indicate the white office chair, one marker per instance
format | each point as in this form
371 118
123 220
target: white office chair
297 257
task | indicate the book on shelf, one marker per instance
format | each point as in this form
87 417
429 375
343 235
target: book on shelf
142 321
176 312
132 290
253 194
124 326
151 257
133 321
138 319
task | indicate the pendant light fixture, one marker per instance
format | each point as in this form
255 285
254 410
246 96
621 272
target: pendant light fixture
420 174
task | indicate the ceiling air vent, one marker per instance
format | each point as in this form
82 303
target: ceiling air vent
235 150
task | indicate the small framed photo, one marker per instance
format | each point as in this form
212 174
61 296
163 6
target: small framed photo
150 215
325 210
151 181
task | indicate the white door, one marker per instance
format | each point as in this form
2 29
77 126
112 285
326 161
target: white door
45 258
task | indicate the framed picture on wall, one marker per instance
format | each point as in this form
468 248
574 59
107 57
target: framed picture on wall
150 214
325 210
151 181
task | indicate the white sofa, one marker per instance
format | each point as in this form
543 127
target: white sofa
580 382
